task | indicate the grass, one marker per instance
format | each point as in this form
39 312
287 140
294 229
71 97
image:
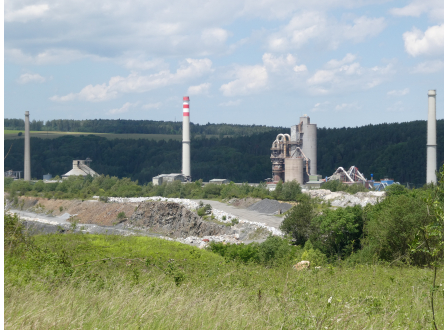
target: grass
167 285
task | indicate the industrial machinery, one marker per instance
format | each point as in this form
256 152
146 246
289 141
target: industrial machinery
294 155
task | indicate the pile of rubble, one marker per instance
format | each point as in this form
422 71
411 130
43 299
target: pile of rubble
343 199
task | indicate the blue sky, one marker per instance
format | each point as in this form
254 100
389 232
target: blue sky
344 63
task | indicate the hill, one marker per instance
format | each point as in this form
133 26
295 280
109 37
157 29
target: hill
395 150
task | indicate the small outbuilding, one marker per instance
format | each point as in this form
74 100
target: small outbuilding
80 167
161 178
219 181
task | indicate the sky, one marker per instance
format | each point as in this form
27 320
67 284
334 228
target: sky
264 62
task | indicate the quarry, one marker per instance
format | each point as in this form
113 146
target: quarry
238 220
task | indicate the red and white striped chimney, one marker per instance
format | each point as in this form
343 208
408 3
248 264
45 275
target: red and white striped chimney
186 139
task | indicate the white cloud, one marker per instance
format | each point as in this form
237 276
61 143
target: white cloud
136 83
434 8
214 36
347 107
315 26
230 103
26 13
152 105
396 107
138 62
320 107
29 77
345 75
429 43
123 109
49 56
199 89
249 80
398 92
428 67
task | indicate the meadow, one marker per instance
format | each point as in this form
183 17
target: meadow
83 281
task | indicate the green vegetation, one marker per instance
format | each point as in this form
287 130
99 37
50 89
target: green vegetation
236 152
336 185
106 186
90 281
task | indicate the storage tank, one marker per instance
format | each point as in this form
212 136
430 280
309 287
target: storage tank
294 170
47 176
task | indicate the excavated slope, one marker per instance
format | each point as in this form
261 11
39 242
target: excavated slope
172 219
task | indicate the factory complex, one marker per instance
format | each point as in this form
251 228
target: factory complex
293 156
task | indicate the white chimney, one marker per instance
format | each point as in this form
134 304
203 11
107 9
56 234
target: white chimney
431 146
186 139
27 165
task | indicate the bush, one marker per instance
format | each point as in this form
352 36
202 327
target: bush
298 221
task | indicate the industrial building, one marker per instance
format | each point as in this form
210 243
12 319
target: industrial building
80 167
159 179
294 156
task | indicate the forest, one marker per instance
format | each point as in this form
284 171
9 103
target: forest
397 151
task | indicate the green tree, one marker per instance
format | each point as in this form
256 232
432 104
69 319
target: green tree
298 221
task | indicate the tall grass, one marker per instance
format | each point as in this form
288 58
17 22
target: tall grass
140 290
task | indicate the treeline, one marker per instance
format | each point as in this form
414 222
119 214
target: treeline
121 126
397 151
106 186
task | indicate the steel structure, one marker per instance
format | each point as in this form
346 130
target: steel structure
352 175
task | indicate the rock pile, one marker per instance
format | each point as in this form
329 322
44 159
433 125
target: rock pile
173 219
343 199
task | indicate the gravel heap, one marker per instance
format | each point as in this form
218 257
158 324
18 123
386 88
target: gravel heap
343 199
270 206
192 205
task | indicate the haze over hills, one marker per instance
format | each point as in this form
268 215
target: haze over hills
238 152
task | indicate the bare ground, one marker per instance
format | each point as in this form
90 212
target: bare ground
85 212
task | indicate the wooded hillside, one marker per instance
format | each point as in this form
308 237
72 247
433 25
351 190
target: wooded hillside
395 150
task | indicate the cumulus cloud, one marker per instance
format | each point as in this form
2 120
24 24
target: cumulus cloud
136 83
49 56
428 67
315 26
199 89
345 74
26 13
434 9
231 103
398 92
30 77
429 43
123 109
249 80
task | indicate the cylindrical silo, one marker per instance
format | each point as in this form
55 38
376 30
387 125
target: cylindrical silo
294 170
27 162
310 143
186 138
431 146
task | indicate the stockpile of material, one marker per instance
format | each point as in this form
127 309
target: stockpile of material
270 206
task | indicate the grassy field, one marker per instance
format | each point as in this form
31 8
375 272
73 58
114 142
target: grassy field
69 281
9 134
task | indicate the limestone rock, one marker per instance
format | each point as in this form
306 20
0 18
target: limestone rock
173 219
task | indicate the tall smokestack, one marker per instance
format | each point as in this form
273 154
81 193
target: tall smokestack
431 146
27 169
186 139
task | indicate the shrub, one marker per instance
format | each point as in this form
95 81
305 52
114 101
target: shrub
298 221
